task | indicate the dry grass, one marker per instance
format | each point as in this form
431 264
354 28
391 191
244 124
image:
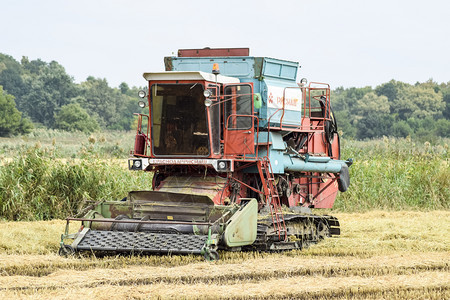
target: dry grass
402 255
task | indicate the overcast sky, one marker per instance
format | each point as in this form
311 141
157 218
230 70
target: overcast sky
344 43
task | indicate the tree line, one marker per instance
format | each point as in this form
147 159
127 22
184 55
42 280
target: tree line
395 108
40 94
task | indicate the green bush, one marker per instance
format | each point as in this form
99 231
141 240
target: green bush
388 174
72 117
396 174
38 186
401 129
443 128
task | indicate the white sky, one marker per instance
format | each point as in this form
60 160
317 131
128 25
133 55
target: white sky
344 43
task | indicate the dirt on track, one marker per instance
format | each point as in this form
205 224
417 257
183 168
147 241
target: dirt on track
396 255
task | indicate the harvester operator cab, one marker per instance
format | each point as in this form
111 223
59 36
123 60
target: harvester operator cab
195 115
178 120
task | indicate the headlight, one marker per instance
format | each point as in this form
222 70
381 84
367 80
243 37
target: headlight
137 164
207 93
222 166
142 104
303 81
208 102
141 94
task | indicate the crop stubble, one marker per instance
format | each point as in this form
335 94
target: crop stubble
379 255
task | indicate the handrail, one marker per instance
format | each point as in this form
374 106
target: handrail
315 82
283 107
284 100
306 103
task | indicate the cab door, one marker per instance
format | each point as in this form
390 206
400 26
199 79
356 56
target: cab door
238 120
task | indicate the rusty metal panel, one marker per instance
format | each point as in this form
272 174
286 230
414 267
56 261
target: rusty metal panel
169 198
170 206
194 185
213 52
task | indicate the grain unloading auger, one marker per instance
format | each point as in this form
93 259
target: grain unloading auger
238 162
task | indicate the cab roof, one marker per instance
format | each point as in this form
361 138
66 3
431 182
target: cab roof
189 75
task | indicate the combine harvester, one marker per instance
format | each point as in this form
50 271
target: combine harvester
240 153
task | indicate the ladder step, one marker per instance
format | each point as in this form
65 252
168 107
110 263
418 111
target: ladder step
265 171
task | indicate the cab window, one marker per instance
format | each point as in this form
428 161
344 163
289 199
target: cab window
238 106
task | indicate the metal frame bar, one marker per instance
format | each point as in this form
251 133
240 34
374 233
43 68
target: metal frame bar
253 189
137 221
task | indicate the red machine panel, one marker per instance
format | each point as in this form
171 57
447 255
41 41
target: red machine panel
211 52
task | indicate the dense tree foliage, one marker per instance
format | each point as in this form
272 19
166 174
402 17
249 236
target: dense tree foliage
11 121
11 76
45 93
394 109
48 88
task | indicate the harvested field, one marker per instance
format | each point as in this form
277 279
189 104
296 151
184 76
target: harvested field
400 255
